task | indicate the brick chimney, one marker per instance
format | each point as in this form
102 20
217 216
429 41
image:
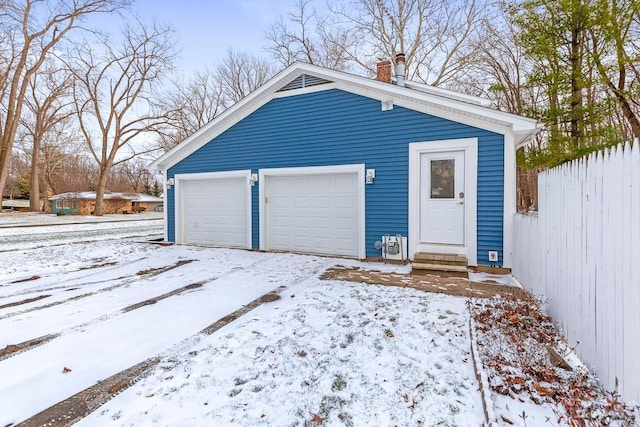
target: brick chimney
383 73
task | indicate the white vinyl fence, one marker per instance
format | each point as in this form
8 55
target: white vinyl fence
582 253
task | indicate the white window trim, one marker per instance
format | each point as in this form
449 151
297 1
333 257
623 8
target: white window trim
470 148
179 180
264 175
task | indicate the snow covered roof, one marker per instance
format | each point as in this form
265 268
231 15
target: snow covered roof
91 195
15 203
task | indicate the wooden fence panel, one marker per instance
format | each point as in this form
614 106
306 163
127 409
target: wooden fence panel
581 253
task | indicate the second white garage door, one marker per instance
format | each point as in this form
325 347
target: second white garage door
215 211
314 213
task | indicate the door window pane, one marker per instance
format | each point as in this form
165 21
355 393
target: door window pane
442 179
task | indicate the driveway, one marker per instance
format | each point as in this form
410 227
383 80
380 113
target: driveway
76 312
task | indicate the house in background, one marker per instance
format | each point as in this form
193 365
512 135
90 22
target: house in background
84 202
324 162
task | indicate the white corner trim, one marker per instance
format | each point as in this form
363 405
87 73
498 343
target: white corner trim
509 208
470 148
263 178
178 206
165 217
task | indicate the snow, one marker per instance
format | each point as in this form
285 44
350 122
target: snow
349 353
501 279
343 353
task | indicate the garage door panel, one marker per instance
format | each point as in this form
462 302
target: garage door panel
314 213
215 211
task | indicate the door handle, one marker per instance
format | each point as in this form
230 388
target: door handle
461 202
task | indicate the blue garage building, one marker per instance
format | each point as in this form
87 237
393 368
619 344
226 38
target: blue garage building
325 162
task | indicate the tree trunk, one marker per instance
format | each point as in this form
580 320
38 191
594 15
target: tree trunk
5 154
576 89
102 184
34 184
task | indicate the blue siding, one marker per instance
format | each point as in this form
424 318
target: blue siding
334 127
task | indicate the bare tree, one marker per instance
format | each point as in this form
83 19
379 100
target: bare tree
434 35
58 154
29 30
501 68
241 73
614 47
189 105
48 104
134 175
113 96
305 36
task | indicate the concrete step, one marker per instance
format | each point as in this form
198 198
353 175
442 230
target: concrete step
444 259
443 264
439 267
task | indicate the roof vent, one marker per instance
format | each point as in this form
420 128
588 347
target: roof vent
304 80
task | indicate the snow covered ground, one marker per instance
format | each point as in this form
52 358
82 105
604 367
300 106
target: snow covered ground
344 353
30 219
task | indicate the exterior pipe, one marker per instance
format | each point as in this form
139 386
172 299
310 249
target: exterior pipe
400 69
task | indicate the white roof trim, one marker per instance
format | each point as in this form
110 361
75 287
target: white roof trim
435 101
448 93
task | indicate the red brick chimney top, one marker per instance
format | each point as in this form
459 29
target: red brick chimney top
383 73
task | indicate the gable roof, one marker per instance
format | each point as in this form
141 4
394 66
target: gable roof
304 78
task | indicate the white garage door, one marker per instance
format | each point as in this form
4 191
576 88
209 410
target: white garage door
215 212
314 213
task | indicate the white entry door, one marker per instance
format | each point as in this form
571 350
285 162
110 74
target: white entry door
442 198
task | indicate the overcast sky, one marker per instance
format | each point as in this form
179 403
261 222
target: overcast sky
205 29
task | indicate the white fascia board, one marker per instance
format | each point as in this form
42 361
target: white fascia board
448 93
429 107
516 122
522 138
430 103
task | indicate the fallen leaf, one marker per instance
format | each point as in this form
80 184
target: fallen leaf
543 390
65 370
316 419
405 397
506 420
513 318
515 380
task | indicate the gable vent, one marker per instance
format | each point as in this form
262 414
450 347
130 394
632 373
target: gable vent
305 80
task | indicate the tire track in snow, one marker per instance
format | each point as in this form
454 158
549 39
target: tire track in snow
81 242
129 279
81 404
15 349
